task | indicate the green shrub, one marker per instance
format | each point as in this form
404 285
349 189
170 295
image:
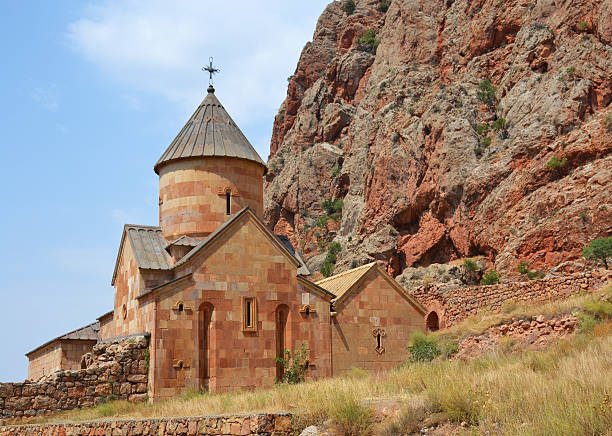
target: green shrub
600 309
555 163
423 348
482 129
333 249
350 417
395 137
354 264
486 141
486 92
368 41
490 278
599 249
322 221
327 269
383 7
582 25
586 321
608 121
523 268
335 172
330 206
570 71
294 364
499 124
450 349
349 7
470 265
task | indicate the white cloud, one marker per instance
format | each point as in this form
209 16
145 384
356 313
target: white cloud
159 47
61 128
46 96
132 216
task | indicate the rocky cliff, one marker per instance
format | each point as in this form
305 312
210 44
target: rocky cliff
448 129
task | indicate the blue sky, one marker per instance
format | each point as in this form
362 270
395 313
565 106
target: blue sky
92 93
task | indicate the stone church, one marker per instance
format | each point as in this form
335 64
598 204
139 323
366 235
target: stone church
220 295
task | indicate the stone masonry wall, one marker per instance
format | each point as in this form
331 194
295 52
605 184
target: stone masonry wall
454 303
116 367
277 424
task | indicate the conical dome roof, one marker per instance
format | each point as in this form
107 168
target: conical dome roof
209 132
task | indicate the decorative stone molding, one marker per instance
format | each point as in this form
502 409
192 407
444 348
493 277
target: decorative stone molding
307 309
233 191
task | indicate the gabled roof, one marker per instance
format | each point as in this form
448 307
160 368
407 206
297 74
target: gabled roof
185 241
340 284
209 132
149 248
343 284
226 225
88 333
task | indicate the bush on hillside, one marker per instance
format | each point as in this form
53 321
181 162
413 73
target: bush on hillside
470 265
599 249
349 7
486 92
383 7
368 41
423 348
555 163
490 278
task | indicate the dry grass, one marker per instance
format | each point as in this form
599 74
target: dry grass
564 390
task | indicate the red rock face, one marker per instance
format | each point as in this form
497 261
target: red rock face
430 166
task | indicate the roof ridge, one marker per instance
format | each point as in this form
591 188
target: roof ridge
209 132
344 273
141 226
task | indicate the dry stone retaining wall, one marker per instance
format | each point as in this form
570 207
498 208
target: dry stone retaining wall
453 304
115 369
277 424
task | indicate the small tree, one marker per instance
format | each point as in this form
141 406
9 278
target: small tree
486 92
349 7
599 249
368 41
294 365
490 278
470 265
555 163
383 7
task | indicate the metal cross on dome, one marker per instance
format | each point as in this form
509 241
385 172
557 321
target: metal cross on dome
211 70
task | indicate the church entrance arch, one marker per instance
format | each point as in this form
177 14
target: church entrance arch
282 315
205 313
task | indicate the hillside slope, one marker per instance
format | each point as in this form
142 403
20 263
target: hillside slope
432 162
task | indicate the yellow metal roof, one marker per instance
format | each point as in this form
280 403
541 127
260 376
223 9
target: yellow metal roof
341 283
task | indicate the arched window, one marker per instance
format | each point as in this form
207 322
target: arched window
228 202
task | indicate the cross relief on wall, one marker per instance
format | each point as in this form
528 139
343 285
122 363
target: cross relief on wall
379 334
